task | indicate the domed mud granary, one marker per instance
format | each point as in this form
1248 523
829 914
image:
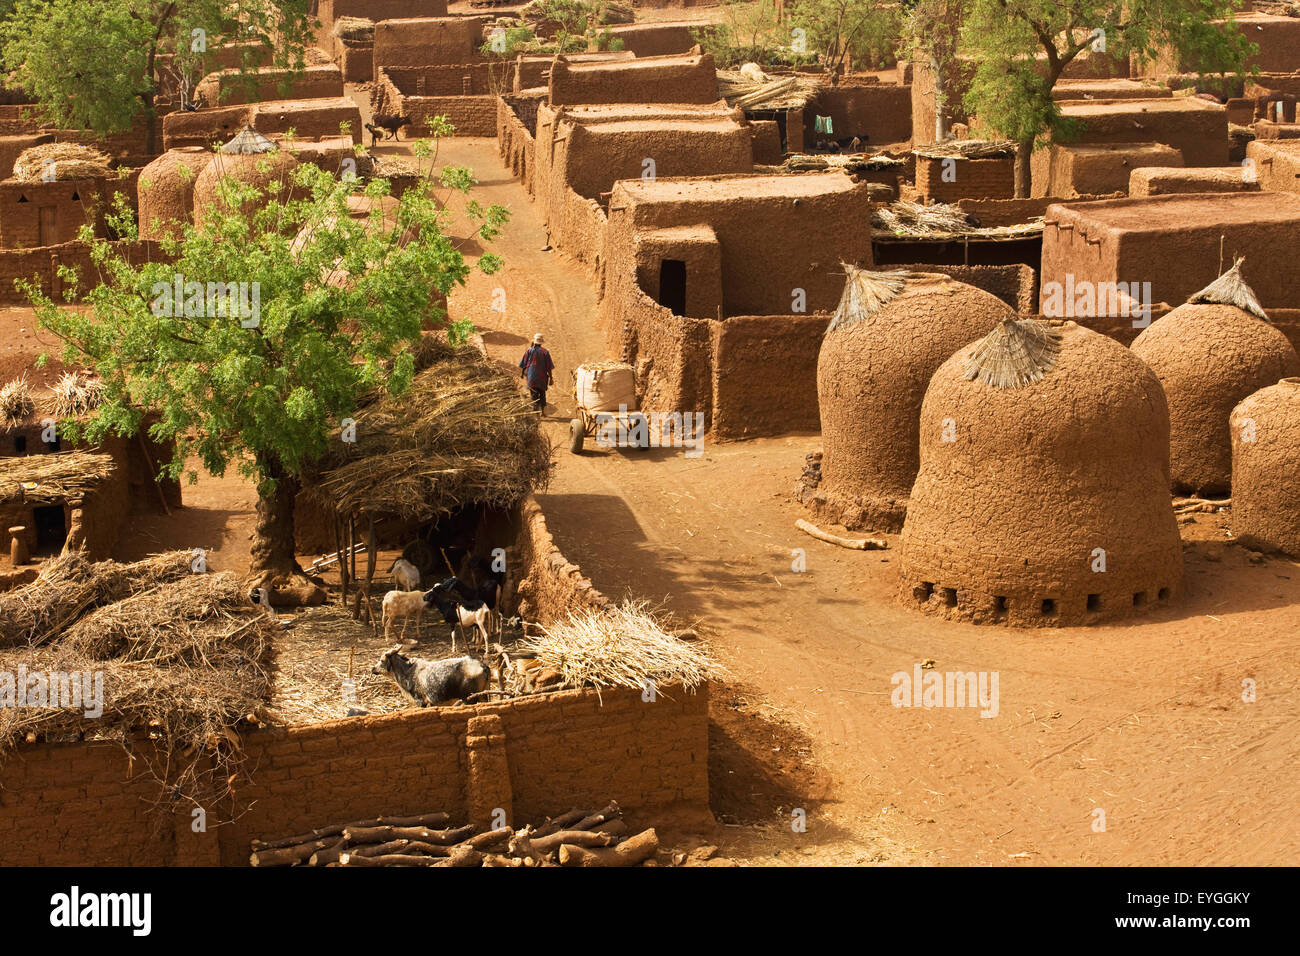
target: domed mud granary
249 158
1043 493
1209 355
1266 469
166 190
889 334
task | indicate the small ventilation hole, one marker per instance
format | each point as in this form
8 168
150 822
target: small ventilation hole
1049 607
1000 604
950 596
1162 594
1139 598
923 591
1094 602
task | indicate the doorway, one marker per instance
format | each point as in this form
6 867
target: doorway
672 285
49 226
51 523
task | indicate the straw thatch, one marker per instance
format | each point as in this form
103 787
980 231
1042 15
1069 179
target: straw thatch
53 478
462 435
1231 289
248 142
354 29
15 401
850 163
186 660
743 90
968 149
1017 352
60 161
69 586
76 393
865 293
624 646
910 220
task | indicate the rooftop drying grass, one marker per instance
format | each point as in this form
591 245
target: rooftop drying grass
15 401
910 220
48 479
1231 289
866 293
76 393
60 161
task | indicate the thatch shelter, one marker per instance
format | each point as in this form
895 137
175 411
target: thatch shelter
892 330
1043 491
166 190
250 158
1265 432
463 439
1209 355
58 162
66 501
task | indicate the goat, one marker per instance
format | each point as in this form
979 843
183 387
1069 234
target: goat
430 683
459 612
376 134
405 575
404 605
391 124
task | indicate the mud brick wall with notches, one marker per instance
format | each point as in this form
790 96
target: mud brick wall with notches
993 178
515 142
461 79
470 115
879 113
1276 164
79 804
1174 243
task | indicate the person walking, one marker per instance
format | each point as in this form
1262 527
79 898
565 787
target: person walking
537 370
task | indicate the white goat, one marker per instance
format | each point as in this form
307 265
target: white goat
405 575
479 618
404 605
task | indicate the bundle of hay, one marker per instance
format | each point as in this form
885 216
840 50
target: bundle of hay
15 401
626 646
462 435
76 393
1231 289
968 149
941 221
865 293
60 161
355 29
1017 352
743 90
69 586
850 163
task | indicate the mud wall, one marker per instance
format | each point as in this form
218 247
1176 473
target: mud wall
992 178
65 206
514 142
675 79
878 113
428 41
550 585
43 262
750 404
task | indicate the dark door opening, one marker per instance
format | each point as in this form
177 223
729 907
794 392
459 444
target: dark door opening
51 528
672 285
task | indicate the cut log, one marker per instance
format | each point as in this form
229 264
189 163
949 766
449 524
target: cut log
563 822
855 544
611 812
383 834
289 855
423 820
632 851
496 859
462 856
492 837
587 838
329 854
392 859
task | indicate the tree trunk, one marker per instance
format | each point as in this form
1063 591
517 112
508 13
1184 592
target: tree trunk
940 102
1023 151
273 556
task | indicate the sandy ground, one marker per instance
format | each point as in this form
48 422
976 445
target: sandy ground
1145 723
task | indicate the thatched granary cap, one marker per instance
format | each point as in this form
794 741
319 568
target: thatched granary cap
1209 355
1017 352
248 142
1265 430
53 478
1022 489
166 190
462 435
60 162
892 330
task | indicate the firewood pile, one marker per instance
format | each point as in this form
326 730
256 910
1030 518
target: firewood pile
580 838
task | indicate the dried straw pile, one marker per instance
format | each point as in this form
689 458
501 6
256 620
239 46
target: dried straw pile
968 149
76 393
1017 352
850 163
1231 289
912 220
70 586
49 479
355 29
462 435
625 646
15 401
185 658
865 293
63 161
743 90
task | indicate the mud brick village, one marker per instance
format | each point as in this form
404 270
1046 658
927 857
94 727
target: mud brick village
585 433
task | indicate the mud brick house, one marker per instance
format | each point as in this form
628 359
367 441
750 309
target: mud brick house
1070 170
863 107
718 290
1277 37
428 41
1158 181
533 72
311 119
690 78
1276 164
229 87
1195 127
329 12
1174 242
583 150
49 213
657 38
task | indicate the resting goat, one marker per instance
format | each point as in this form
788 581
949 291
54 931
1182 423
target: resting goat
406 576
459 612
429 683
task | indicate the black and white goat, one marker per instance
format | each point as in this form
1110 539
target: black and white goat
430 683
459 611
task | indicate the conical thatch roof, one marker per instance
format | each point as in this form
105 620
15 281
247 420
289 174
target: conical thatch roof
1017 352
1231 289
248 142
865 293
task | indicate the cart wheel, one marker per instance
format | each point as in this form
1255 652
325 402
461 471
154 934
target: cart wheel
576 434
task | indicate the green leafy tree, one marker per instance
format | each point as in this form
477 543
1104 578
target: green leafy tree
99 64
848 31
933 31
328 308
750 32
1022 47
